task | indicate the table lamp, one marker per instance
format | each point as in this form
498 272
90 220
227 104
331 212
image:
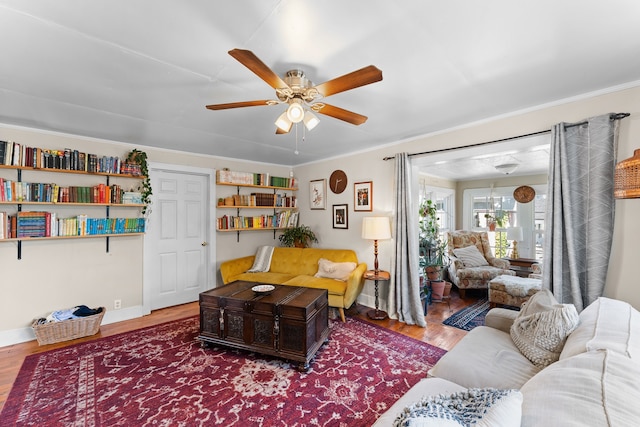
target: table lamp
515 234
376 228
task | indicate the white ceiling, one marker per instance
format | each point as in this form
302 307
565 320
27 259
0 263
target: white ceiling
531 154
142 71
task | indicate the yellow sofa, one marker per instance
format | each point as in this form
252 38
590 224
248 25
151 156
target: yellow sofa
297 267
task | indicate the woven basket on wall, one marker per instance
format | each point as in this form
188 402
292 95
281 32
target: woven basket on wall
627 178
52 332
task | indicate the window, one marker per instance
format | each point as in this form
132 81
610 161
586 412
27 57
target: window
444 199
495 210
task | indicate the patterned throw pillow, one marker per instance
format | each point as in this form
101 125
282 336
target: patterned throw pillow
542 327
470 256
335 270
478 407
262 261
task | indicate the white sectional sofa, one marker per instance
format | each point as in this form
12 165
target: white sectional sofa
594 382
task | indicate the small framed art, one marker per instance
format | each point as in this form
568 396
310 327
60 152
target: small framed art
340 216
363 196
318 194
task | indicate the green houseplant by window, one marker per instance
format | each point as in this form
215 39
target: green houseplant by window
301 237
433 250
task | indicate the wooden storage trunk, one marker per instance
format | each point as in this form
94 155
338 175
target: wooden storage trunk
291 322
53 332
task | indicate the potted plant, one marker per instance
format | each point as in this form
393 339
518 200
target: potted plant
300 237
500 218
433 251
137 157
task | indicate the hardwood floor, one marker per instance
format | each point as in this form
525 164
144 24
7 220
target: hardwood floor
435 333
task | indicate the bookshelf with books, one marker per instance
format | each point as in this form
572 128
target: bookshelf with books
48 203
250 195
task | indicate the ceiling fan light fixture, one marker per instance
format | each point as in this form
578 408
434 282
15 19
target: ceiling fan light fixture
283 122
295 112
310 120
507 168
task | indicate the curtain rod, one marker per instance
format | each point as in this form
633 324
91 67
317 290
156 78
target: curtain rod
614 116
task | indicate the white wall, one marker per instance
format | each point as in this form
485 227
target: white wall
622 278
57 274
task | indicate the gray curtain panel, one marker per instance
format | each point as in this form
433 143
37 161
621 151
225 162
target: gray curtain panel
404 289
580 210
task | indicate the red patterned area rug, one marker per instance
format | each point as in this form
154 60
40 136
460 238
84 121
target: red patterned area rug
161 376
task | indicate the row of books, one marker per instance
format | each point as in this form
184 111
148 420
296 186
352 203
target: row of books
264 200
15 154
19 191
249 178
47 224
282 219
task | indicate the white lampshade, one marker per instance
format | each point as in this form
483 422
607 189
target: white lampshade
295 112
376 228
283 122
514 233
310 120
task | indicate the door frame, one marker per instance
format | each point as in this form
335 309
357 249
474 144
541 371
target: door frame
211 247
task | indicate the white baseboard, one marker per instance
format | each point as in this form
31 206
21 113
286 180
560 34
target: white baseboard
16 336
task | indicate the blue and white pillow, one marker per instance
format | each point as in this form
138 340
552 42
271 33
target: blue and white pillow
477 407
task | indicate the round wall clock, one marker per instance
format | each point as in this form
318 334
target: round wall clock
338 181
524 194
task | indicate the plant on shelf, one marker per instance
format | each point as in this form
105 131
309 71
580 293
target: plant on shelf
433 250
139 158
301 237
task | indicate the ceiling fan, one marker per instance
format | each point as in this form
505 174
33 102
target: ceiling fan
300 94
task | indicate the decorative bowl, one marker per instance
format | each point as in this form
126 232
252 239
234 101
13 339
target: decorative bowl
263 289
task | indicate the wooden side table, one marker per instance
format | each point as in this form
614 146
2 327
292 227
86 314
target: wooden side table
380 275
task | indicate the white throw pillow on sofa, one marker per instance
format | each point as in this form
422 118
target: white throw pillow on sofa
480 407
606 324
335 270
262 260
470 256
542 327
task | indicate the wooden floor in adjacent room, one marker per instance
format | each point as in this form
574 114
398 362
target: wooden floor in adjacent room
435 333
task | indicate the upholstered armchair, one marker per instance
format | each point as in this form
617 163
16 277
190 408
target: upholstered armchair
468 269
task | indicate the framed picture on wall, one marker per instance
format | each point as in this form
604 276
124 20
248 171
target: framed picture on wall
318 194
340 216
363 196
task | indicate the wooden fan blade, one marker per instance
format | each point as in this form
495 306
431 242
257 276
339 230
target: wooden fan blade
361 77
239 104
252 62
342 114
280 131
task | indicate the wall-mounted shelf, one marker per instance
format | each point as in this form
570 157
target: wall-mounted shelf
238 208
19 204
89 236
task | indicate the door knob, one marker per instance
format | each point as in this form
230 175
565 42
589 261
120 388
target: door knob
204 243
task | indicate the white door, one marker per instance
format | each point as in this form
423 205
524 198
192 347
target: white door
178 247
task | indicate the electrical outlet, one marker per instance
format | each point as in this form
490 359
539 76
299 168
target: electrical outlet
117 304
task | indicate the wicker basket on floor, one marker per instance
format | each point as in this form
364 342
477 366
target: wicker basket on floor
52 332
